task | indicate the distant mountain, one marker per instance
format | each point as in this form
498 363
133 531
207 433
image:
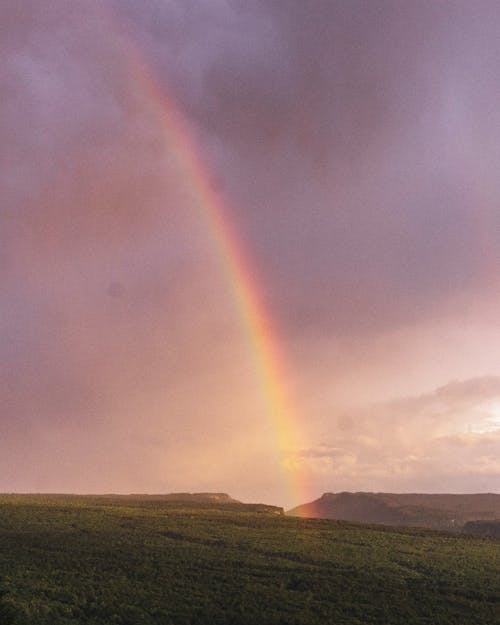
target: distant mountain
218 499
193 501
420 510
196 497
202 501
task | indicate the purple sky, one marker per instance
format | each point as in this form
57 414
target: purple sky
356 145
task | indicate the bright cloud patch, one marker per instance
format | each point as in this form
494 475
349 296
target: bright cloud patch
445 440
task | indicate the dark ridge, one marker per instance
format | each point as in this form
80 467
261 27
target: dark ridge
437 511
192 501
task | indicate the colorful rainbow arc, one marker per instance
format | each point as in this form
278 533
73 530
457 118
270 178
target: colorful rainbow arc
241 277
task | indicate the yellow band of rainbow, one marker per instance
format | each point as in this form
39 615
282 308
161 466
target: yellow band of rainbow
241 276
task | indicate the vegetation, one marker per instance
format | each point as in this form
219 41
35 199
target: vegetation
483 528
135 561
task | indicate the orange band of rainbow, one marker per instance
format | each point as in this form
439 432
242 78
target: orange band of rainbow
241 276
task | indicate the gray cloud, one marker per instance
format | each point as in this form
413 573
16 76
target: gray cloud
91 198
349 136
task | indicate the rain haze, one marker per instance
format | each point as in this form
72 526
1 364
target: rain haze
351 147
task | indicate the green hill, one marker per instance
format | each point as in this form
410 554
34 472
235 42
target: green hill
449 512
135 561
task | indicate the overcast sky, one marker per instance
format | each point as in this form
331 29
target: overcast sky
355 148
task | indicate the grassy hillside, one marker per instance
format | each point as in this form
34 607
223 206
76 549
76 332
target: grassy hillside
449 512
98 561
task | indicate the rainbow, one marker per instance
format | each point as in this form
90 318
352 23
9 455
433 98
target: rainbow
240 274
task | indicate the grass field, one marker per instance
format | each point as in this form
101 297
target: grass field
68 560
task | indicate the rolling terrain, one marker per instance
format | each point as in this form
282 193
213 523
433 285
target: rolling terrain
145 560
445 512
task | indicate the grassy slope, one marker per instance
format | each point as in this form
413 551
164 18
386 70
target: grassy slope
76 560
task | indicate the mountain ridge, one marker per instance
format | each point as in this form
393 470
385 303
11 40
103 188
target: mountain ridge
433 510
186 500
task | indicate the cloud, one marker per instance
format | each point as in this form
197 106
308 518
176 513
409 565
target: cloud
123 357
349 138
448 439
355 146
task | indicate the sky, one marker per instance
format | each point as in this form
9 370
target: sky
351 147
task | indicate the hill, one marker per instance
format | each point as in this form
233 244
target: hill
197 497
164 501
132 561
449 512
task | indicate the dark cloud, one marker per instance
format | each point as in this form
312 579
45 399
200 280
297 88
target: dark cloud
352 137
